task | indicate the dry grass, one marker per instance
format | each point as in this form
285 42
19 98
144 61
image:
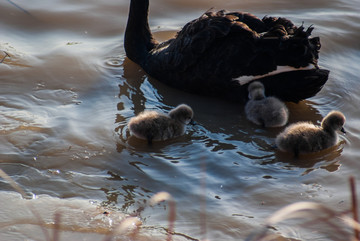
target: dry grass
316 218
337 225
3 58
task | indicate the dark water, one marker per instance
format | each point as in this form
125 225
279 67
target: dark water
67 92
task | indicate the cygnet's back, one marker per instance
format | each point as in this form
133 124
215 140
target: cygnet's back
155 126
305 137
265 111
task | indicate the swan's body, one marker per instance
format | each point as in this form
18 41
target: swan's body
155 126
305 137
212 53
265 111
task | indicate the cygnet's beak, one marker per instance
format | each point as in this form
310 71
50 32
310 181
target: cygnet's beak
192 122
343 130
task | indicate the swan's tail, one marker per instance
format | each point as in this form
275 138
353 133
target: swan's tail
295 86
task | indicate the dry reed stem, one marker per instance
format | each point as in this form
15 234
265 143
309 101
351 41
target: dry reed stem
165 196
203 201
125 225
300 210
19 7
354 206
297 210
56 234
317 213
6 55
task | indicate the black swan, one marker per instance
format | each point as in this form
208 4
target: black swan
211 54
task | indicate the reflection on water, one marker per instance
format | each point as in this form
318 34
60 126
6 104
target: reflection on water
68 91
326 159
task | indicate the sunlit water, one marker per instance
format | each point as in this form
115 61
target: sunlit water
68 91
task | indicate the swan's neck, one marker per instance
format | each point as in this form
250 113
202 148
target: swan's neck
138 38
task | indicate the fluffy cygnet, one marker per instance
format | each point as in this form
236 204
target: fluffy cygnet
305 137
155 126
265 111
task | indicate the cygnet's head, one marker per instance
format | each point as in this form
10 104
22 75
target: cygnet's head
335 120
182 113
256 91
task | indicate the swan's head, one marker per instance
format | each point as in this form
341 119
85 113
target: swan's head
256 91
182 113
335 120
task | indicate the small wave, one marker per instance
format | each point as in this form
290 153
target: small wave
114 62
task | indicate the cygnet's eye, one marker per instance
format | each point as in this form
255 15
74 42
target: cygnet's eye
343 130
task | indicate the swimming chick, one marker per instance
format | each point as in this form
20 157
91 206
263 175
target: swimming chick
305 137
155 126
265 111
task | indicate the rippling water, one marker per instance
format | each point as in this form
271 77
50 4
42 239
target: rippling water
68 91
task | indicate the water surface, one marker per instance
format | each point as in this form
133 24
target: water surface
68 91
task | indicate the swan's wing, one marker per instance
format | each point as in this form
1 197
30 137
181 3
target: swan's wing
212 40
232 45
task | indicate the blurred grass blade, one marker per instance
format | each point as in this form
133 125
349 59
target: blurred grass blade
165 196
20 8
159 197
299 210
